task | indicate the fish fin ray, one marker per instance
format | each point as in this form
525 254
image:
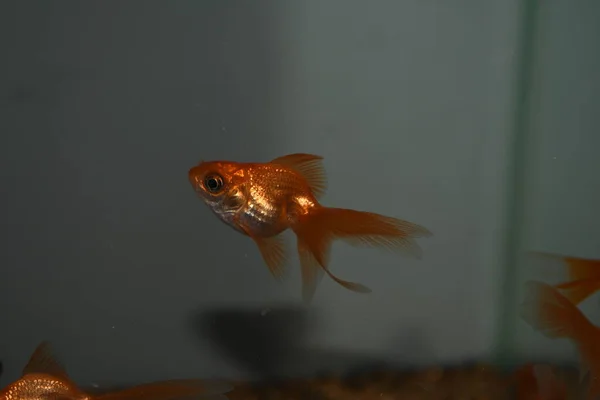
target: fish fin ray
359 228
274 254
552 314
314 246
43 361
177 389
310 271
310 167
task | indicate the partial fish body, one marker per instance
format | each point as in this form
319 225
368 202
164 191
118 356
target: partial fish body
262 200
44 378
555 316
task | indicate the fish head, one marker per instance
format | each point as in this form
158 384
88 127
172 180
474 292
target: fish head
220 185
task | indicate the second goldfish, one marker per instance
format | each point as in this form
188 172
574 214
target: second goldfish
551 313
261 200
45 378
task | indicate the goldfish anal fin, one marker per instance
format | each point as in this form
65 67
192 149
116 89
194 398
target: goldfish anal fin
310 271
310 167
579 290
273 252
179 389
43 361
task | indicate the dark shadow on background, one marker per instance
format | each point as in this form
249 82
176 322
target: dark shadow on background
273 344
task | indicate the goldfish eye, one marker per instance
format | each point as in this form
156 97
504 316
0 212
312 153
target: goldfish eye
213 183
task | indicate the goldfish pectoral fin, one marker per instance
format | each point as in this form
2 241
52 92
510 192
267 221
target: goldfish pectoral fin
311 273
579 290
177 389
43 361
310 167
273 252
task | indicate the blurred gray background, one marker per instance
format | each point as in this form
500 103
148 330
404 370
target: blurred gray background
108 253
561 187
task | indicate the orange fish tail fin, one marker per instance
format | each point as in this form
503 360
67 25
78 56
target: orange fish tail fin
317 230
551 313
585 279
180 389
360 228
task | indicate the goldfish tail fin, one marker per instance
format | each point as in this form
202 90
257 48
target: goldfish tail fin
322 225
551 313
585 279
178 389
360 228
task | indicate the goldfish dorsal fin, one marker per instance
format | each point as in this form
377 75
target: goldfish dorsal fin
310 167
43 361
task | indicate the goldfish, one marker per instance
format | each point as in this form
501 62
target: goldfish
262 200
555 316
44 378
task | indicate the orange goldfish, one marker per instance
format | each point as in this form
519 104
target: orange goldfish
261 200
551 313
44 378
